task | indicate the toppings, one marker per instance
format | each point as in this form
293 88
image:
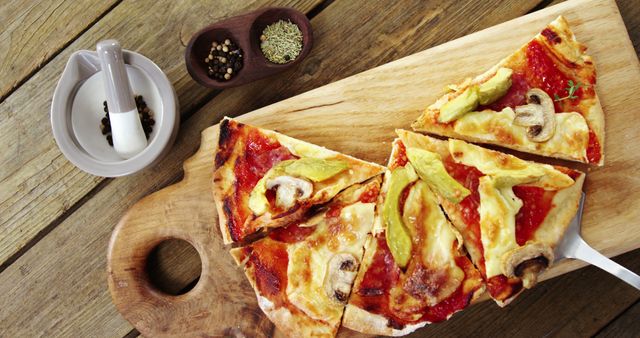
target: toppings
538 116
290 190
295 174
460 105
430 168
316 169
341 272
527 262
496 87
398 237
493 163
486 93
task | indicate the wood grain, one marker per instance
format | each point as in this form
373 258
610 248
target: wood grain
626 325
38 184
32 33
355 115
57 308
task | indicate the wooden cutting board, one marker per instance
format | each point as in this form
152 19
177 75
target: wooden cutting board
358 116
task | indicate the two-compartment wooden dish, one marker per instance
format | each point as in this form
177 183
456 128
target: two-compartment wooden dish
245 31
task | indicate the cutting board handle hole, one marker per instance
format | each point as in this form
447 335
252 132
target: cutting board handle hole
173 267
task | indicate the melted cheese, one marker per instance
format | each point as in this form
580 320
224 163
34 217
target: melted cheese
571 136
498 209
309 260
439 275
497 164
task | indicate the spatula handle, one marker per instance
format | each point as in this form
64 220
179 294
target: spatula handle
588 254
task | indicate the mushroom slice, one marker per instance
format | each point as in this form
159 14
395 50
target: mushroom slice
341 273
538 116
527 262
290 190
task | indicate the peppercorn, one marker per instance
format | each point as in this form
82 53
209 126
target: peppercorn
224 61
144 113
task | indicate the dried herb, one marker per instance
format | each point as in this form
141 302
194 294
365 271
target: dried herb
281 42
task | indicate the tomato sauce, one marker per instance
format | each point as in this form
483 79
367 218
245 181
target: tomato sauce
500 287
371 195
291 234
594 152
536 203
383 274
270 261
401 158
469 177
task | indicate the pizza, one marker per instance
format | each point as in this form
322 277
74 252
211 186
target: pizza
540 99
264 179
511 213
404 284
302 273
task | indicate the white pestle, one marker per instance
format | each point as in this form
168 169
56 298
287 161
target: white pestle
126 128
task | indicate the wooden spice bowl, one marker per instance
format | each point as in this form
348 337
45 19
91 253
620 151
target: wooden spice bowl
245 30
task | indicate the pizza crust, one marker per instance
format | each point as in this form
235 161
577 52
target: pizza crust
366 322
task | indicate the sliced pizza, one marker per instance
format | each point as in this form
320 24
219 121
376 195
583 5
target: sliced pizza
540 99
414 270
512 214
302 273
264 179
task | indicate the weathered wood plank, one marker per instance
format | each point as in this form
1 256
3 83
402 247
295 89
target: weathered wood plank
33 31
626 325
74 251
38 183
630 13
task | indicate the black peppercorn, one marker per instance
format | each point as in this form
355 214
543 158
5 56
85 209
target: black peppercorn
224 55
144 113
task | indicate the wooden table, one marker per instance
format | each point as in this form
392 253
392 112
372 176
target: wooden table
55 220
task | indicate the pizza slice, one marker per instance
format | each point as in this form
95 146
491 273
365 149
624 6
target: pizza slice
540 99
264 179
512 214
415 270
302 273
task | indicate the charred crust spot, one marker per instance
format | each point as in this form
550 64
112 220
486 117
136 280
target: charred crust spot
541 261
288 212
227 135
394 324
369 292
227 208
551 36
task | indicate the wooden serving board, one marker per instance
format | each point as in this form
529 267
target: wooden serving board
358 116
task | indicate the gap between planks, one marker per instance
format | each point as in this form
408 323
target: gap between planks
56 53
